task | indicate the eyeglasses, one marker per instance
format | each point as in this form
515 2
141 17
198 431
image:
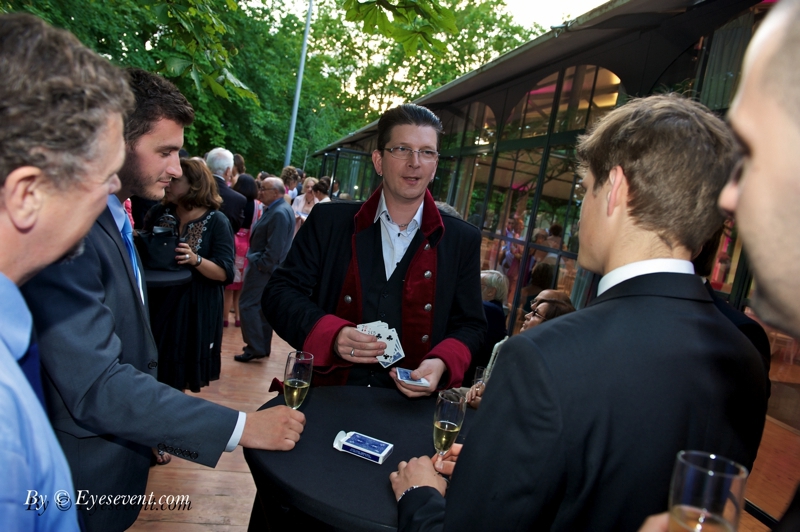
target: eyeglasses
539 315
401 152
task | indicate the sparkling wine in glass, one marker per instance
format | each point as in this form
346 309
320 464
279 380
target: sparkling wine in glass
706 494
297 378
447 420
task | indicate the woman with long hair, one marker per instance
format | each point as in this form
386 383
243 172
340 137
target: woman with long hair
189 357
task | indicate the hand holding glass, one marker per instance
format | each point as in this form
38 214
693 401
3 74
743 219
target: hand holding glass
447 420
707 493
297 378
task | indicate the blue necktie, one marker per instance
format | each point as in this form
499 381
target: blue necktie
127 236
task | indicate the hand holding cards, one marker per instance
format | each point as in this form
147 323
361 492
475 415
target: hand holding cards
404 375
381 331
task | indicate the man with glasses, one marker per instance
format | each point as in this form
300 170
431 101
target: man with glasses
395 259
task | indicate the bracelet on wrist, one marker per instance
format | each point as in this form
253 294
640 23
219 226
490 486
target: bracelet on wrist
412 488
199 260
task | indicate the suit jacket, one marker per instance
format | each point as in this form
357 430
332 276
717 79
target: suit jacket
749 327
99 364
584 415
318 290
271 238
233 204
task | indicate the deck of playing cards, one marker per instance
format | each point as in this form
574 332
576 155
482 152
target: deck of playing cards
381 331
362 446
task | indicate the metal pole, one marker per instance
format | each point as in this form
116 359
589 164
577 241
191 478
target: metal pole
288 158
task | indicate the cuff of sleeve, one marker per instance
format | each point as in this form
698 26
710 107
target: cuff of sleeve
321 338
414 501
456 357
237 433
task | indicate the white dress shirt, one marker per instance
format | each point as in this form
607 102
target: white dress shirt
635 269
394 240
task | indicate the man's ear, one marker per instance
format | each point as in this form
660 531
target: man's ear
377 161
24 194
617 195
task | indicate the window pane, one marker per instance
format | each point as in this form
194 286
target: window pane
481 125
473 180
576 91
445 172
608 94
531 115
513 189
453 122
538 273
729 251
559 208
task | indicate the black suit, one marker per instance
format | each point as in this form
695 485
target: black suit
749 327
99 364
233 204
584 415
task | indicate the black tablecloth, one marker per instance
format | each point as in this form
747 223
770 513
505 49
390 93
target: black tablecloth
340 489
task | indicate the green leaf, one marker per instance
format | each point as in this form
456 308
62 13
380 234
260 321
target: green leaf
216 88
175 66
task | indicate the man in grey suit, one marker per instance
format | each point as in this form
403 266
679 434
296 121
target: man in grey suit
270 240
98 355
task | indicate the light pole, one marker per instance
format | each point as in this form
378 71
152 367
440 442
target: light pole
288 158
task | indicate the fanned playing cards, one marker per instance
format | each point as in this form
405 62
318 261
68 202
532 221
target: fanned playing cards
389 336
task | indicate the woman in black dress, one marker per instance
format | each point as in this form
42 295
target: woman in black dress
189 356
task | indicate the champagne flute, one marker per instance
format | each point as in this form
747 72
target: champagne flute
447 419
297 378
707 493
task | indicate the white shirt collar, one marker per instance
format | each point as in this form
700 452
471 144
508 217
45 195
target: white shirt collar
412 225
644 267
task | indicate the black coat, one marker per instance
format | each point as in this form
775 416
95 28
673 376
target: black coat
584 415
233 204
306 300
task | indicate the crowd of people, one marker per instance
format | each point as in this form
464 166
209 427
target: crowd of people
591 406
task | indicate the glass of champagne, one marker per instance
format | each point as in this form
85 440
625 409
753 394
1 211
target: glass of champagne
297 377
447 419
707 493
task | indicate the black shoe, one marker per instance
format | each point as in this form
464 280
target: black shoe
247 357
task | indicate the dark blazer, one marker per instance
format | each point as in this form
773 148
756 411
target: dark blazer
99 364
233 204
271 238
318 289
749 327
584 415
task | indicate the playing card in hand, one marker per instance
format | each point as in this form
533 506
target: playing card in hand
381 331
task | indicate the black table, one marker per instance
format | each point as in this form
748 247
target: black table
342 490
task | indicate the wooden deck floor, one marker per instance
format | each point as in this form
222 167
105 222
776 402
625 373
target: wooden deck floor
222 497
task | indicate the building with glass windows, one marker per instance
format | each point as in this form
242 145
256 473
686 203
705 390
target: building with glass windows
507 161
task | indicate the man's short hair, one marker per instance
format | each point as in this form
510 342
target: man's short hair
273 183
498 281
407 114
156 99
781 75
219 160
56 97
677 156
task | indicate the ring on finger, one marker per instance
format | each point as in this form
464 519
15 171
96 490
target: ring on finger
186 256
353 352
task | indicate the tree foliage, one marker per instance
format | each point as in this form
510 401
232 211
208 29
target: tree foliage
237 62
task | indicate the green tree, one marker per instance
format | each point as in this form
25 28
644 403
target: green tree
380 72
